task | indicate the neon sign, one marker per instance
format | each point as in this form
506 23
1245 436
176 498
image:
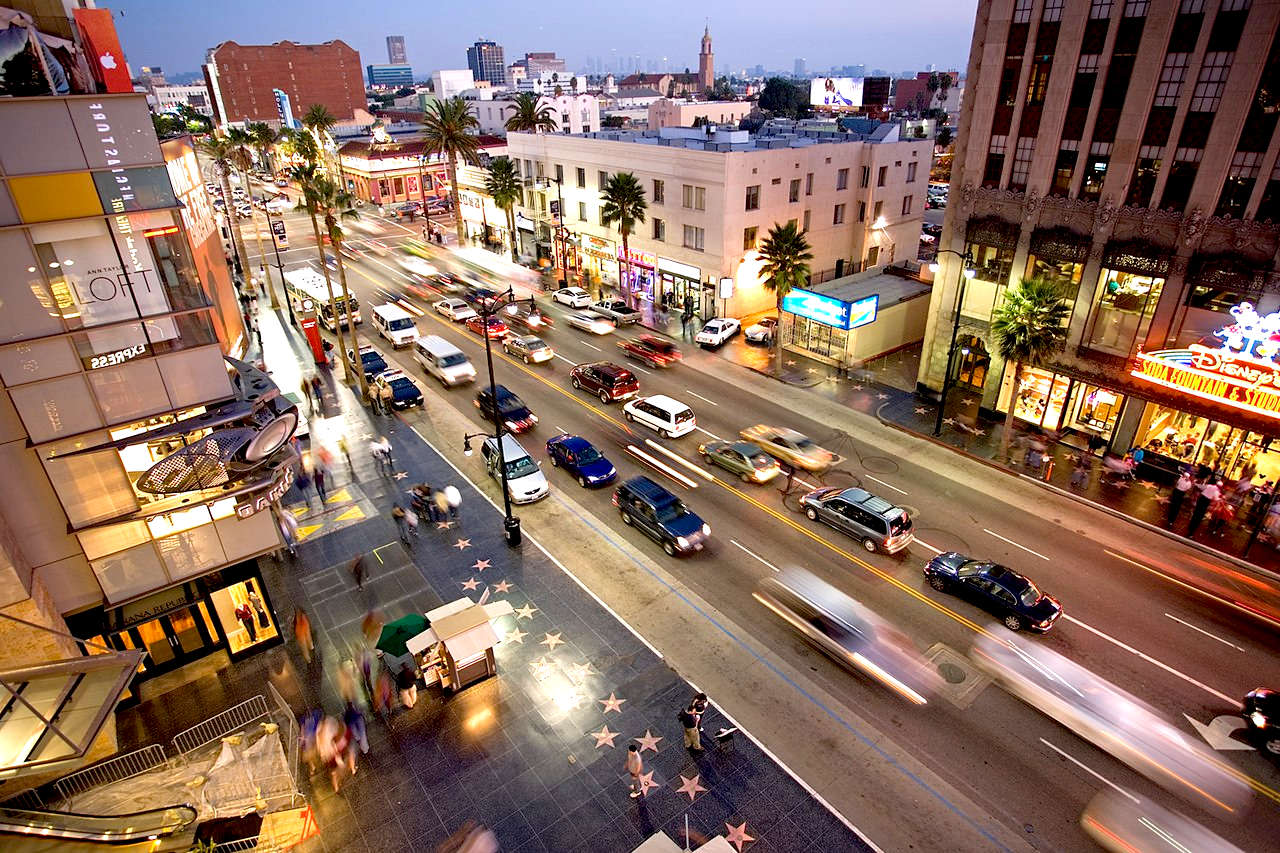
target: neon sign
831 311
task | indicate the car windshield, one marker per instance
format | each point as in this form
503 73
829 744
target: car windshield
670 512
451 360
522 467
533 343
972 568
1030 595
587 456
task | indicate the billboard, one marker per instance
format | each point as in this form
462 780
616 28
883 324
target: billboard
831 311
835 92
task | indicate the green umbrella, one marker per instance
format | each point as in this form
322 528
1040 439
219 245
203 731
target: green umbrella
395 634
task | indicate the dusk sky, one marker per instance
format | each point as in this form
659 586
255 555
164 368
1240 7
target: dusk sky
901 35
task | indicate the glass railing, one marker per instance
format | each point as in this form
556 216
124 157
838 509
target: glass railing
107 829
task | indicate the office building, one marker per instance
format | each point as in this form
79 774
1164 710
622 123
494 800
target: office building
1128 151
389 76
243 79
396 54
485 59
798 68
544 63
451 82
169 98
151 76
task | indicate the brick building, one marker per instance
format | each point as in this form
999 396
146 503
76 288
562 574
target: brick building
242 77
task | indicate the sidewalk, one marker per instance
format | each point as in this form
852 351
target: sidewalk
535 753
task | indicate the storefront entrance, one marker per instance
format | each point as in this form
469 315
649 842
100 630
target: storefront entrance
1055 401
817 338
172 640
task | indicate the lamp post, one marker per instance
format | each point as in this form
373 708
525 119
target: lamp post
488 308
275 246
422 191
966 272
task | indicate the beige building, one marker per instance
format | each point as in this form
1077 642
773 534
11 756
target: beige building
714 196
668 112
1129 151
572 113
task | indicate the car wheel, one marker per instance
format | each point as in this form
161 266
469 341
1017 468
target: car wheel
746 478
1013 623
555 463
576 384
869 544
1272 746
669 548
526 359
582 481
938 583
630 417
626 519
664 433
604 398
812 513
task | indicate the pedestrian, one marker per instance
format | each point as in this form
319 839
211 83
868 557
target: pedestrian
440 505
689 719
411 524
289 530
386 453
319 477
347 686
317 392
371 625
354 719
454 497
384 691
357 571
311 400
333 740
303 482
387 397
635 766
1178 496
397 513
245 614
1220 512
407 682
302 633
1209 492
342 446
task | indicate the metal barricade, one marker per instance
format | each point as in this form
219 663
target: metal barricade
231 720
112 770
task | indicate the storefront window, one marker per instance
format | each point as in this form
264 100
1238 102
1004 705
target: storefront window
1122 315
244 616
1197 441
1041 396
1093 409
818 338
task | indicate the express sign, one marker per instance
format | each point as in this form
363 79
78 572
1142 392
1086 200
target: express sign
831 311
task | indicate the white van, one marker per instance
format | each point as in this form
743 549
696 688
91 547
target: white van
443 360
524 476
395 324
668 416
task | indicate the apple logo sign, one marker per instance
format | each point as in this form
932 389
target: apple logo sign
108 61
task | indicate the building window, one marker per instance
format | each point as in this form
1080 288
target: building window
1038 80
603 178
808 184
582 211
882 176
693 237
862 211
1269 208
582 178
805 227
865 181
873 255
1063 170
694 198
1052 11
659 191
1236 5
995 161
559 174
1122 316
660 230
1182 176
876 211
906 205
753 197
842 179
1022 11
1145 174
749 238
1100 9
1095 170
1241 177
603 222
1022 162
1136 8
911 172
838 216
1191 7
1211 82
1171 78
793 193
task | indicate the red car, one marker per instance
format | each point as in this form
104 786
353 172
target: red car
497 328
652 350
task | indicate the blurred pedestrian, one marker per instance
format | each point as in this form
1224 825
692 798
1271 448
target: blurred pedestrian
342 448
1209 492
1220 512
440 506
303 482
332 740
398 513
411 524
384 691
354 719
302 633
454 497
371 625
311 400
348 687
317 391
635 766
1179 495
307 729
289 530
357 571
319 478
407 682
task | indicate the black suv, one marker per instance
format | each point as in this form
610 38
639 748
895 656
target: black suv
661 515
610 382
516 415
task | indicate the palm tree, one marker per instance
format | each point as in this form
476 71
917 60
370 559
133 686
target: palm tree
320 121
264 138
530 114
218 150
785 253
241 142
448 124
299 143
624 203
503 186
1028 327
317 194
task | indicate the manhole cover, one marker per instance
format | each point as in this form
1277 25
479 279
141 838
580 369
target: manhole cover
961 681
952 673
879 465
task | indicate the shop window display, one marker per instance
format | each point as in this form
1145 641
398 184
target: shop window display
1192 440
244 616
1041 396
1122 315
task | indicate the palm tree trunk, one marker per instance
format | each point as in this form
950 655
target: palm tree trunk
625 284
262 253
237 239
1008 416
512 234
355 339
454 199
777 338
333 303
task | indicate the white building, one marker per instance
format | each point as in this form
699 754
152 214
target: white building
166 99
679 112
572 113
714 196
451 82
548 82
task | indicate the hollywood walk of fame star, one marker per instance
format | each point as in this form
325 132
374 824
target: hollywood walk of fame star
791 362
920 410
526 612
646 782
366 436
462 544
950 421
481 565
400 475
613 703
579 671
856 387
969 401
443 525
542 668
552 640
649 741
737 835
812 369
501 586
882 396
515 635
470 584
604 736
690 787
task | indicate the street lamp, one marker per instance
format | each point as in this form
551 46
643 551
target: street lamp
966 272
487 307
275 246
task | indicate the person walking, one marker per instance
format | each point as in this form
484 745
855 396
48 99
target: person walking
303 482
439 505
398 513
454 498
635 766
1209 492
407 682
357 571
302 633
317 391
1178 496
319 477
1220 512
289 530
411 524
354 719
342 446
348 688
311 400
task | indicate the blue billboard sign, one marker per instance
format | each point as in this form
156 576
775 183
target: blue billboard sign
831 311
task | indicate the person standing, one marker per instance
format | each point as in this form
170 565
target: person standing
1209 492
689 719
319 478
387 397
398 513
302 633
454 499
357 571
407 682
1179 495
635 766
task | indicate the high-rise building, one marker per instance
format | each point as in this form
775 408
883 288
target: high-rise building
706 61
390 76
544 63
396 54
1128 152
485 59
243 78
798 69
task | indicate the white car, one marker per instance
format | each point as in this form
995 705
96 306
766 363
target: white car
590 322
417 266
716 332
763 331
666 415
455 309
574 297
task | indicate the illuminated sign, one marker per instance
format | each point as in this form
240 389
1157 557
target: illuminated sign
831 311
263 500
120 356
639 258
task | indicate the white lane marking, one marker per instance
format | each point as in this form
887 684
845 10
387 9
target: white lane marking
680 459
1231 701
1015 544
562 358
666 469
702 398
1203 631
886 485
1216 598
593 346
1094 773
708 432
804 483
562 430
917 540
754 554
639 368
410 307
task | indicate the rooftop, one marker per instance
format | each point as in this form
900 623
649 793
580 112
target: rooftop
403 147
891 284
774 134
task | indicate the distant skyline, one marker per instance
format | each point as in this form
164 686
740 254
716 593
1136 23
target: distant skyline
909 34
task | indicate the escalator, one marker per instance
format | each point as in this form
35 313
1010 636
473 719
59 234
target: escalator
70 830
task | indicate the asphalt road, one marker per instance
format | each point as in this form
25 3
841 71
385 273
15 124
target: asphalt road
1179 651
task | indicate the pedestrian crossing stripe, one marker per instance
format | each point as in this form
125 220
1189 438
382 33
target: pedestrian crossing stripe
340 496
350 515
306 530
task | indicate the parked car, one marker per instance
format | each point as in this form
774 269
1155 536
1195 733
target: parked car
762 331
668 416
652 350
574 297
872 520
610 382
404 391
371 361
531 348
616 310
516 416
662 516
1001 591
716 332
580 458
743 458
932 228
589 322
792 447
455 309
525 479
1262 719
493 327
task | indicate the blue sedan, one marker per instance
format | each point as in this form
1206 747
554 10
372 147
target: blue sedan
581 459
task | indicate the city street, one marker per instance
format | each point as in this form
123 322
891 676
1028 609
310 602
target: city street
1183 653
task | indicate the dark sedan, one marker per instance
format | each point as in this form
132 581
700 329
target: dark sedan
1262 719
1012 598
516 415
580 458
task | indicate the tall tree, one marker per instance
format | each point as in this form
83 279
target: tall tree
1027 328
503 186
448 125
241 142
623 203
786 256
530 114
218 150
264 138
784 98
320 121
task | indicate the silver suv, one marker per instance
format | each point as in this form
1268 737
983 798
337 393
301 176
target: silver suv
872 520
